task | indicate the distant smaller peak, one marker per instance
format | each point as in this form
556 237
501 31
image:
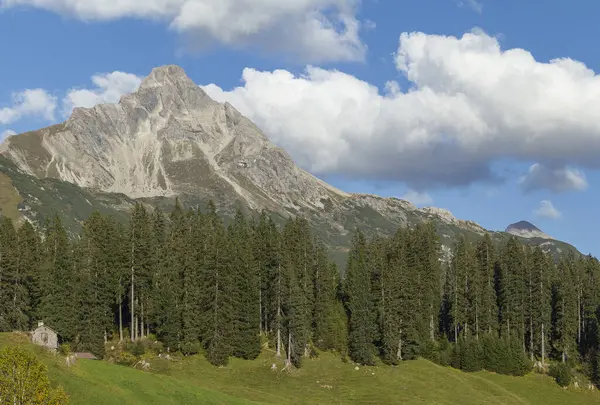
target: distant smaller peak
523 225
526 229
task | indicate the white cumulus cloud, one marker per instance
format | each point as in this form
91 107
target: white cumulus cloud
314 30
109 89
470 103
547 210
417 198
29 103
558 180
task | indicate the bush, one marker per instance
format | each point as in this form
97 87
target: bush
445 352
471 356
488 353
455 358
125 359
189 348
504 357
24 380
138 348
430 350
65 349
562 374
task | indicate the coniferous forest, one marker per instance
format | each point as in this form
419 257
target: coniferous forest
199 286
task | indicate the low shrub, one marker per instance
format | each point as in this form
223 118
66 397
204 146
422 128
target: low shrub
562 374
65 349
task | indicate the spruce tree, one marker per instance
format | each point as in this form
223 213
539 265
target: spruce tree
217 304
58 302
486 264
391 303
11 283
359 303
27 291
565 309
246 294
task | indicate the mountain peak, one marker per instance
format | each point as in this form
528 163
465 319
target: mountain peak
526 229
171 71
167 75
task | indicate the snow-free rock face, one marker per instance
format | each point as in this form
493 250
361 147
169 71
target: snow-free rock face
168 138
526 229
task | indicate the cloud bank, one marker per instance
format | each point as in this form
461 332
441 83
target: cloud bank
558 180
470 103
29 103
312 30
109 89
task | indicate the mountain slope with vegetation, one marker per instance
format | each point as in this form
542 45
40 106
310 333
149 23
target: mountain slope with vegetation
324 380
185 283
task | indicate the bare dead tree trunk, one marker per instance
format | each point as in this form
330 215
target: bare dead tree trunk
260 321
142 318
466 334
476 320
531 336
17 285
132 287
279 311
120 319
399 351
578 316
543 346
137 329
431 325
289 349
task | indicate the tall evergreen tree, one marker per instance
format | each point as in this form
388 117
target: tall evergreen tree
217 302
359 302
565 309
9 270
58 306
246 292
486 264
27 282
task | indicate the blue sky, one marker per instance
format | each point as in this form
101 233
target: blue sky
475 124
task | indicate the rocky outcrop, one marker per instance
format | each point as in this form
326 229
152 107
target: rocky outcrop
168 138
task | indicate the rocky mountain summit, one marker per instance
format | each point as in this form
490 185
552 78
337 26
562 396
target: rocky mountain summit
526 229
169 138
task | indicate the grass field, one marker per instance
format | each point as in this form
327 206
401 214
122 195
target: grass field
325 380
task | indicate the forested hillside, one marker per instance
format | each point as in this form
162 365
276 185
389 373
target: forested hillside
202 287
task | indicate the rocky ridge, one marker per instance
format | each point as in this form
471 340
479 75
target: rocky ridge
169 138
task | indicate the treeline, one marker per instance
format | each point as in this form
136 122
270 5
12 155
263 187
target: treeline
201 286
188 279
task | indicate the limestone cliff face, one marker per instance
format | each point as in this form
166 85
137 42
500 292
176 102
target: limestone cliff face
168 138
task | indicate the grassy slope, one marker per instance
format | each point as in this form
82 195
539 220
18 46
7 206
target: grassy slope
194 381
102 383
